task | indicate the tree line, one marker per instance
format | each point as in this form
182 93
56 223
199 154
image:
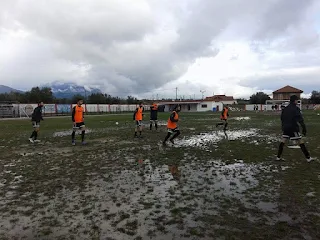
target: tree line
45 95
261 98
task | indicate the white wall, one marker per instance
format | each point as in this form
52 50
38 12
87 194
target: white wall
93 108
103 108
200 107
184 107
220 104
49 109
261 107
229 102
27 109
250 107
210 106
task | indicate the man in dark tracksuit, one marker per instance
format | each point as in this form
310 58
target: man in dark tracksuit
290 117
35 119
154 116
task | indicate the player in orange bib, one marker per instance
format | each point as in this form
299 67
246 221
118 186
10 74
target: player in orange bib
137 117
154 116
224 118
78 121
172 125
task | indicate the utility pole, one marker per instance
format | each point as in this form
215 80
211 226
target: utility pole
202 91
176 93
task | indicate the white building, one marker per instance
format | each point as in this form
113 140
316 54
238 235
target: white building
214 104
225 100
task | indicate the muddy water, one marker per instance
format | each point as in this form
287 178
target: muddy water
241 118
162 201
68 132
214 137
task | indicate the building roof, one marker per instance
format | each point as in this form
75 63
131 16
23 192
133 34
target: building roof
180 102
288 89
219 98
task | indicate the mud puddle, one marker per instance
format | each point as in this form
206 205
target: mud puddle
241 118
68 132
205 139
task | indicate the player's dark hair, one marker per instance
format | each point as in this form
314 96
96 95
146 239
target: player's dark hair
293 98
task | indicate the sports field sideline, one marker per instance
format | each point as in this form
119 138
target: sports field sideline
207 186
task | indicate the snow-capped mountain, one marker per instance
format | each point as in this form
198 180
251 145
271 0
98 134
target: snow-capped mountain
6 89
68 90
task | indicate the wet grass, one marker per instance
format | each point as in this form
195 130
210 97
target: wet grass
117 187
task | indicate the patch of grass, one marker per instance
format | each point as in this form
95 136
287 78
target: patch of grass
106 173
196 232
132 225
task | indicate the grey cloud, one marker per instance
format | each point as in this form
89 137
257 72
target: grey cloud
280 15
305 80
111 36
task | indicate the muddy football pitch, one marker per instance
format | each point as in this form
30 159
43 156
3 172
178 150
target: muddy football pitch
210 185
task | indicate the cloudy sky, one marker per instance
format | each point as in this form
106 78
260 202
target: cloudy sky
150 47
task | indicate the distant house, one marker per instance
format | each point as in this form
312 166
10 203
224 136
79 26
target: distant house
286 92
222 98
214 103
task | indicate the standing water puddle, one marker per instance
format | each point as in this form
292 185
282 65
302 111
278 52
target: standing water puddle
241 118
68 133
214 137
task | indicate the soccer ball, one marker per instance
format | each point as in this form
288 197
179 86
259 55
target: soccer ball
117 123
318 114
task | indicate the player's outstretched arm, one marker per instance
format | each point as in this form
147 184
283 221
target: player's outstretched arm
134 114
172 117
73 113
300 120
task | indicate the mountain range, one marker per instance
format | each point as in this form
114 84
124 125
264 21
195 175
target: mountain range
6 89
68 90
60 89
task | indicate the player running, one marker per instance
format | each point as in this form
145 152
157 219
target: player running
138 116
78 122
154 116
290 117
172 125
224 118
35 119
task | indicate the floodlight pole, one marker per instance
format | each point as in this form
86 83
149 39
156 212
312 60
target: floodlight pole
202 91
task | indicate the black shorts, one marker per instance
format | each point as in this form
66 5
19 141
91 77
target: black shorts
139 123
79 125
173 130
291 135
35 124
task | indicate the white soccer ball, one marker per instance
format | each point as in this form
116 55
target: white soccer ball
318 114
117 123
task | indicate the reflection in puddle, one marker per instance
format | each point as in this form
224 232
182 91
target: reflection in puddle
214 137
149 196
68 133
241 118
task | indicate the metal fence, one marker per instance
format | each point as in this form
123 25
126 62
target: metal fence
16 110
